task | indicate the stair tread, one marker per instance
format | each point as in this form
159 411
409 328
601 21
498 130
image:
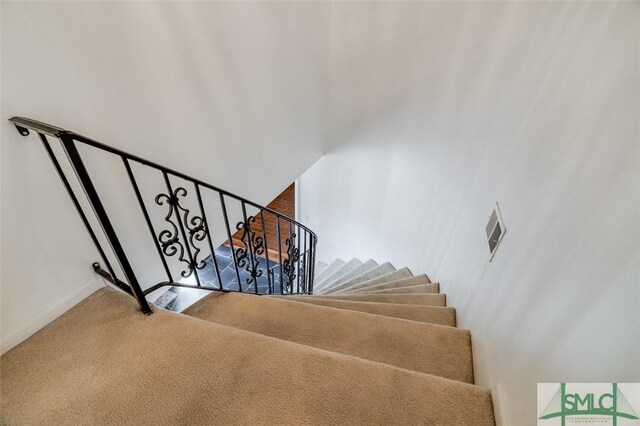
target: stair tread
442 315
402 282
381 269
427 348
364 267
380 279
105 362
320 266
410 289
409 299
344 269
335 264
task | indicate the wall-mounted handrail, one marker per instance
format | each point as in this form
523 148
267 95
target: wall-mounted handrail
47 129
187 230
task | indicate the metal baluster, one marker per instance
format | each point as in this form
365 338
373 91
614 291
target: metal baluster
280 254
136 189
298 262
208 230
103 218
249 247
313 262
305 283
291 257
266 251
187 244
230 239
308 269
76 203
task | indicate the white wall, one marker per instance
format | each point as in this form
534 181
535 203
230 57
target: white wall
233 93
438 110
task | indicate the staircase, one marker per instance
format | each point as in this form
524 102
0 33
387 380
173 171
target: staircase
375 345
275 341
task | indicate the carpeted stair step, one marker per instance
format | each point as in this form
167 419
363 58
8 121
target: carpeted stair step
104 362
418 288
431 314
402 282
335 264
320 266
426 348
344 269
383 268
390 276
365 267
408 299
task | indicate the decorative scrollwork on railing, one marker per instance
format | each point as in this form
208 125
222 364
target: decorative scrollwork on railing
302 273
289 264
193 226
254 246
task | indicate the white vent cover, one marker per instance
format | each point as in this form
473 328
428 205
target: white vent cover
495 231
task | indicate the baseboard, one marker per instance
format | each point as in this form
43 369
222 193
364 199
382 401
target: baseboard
499 397
53 311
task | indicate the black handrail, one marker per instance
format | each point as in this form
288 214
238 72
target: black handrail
187 230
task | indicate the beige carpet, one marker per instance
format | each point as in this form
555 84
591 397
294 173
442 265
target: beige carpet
411 289
378 279
431 314
404 282
409 299
426 348
382 269
104 362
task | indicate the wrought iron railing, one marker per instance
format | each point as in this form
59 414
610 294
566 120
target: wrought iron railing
179 224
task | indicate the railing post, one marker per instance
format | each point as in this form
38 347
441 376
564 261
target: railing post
298 265
103 218
305 265
230 239
314 243
280 254
266 252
